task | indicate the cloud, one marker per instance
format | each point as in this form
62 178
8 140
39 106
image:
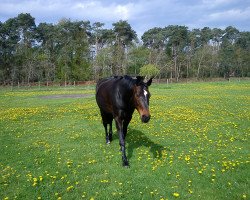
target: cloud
97 10
232 15
53 11
141 14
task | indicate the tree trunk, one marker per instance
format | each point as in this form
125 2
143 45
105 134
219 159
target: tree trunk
200 61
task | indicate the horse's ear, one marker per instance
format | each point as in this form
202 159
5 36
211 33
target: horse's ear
149 82
139 79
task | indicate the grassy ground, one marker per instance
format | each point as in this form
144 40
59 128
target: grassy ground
196 145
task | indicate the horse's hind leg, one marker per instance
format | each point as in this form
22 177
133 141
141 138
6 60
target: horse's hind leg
107 120
106 132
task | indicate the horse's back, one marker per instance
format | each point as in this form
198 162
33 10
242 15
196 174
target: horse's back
104 91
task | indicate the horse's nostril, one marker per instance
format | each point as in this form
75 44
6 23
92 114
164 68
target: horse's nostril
145 118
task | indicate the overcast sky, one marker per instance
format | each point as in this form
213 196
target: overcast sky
141 15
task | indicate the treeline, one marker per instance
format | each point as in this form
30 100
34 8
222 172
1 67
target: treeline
79 50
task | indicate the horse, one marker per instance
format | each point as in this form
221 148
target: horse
118 97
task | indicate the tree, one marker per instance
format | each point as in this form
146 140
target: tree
76 50
154 38
137 57
124 35
9 40
227 53
242 58
48 51
97 35
73 58
177 41
149 70
27 29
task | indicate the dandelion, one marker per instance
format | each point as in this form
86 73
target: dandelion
190 191
70 188
83 194
244 196
104 181
187 157
175 194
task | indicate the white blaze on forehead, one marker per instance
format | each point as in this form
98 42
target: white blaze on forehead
145 93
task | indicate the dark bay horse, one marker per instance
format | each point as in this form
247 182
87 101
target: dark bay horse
117 98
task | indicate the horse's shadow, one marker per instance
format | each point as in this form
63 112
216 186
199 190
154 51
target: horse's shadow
136 139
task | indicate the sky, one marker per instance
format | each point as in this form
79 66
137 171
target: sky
142 15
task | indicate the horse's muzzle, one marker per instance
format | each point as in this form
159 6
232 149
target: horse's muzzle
145 118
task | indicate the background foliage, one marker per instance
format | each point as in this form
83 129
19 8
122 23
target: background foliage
78 50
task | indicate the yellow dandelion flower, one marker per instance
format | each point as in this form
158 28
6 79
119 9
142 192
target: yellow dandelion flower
187 157
190 191
70 188
175 194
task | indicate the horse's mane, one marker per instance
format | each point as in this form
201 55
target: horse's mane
126 80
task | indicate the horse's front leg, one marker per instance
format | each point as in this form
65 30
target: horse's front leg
110 135
120 129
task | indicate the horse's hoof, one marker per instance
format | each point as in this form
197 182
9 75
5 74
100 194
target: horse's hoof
108 142
125 164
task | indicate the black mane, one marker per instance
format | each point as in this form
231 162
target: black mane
130 81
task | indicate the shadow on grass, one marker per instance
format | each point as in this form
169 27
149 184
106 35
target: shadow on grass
136 139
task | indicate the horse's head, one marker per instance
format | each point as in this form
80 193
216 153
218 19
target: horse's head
141 98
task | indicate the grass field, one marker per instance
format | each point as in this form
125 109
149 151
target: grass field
196 145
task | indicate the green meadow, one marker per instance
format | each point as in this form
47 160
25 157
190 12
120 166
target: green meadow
196 145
